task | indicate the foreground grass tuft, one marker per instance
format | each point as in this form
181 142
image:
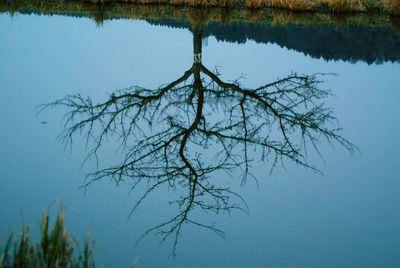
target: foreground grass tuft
56 248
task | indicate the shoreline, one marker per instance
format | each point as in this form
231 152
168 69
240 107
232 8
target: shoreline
390 7
100 12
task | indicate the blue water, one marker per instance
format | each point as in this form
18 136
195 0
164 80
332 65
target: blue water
347 217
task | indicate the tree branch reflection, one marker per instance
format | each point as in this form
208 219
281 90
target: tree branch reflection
181 134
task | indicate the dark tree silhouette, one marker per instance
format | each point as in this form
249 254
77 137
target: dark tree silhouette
165 133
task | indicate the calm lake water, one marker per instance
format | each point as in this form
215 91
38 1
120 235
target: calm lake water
346 217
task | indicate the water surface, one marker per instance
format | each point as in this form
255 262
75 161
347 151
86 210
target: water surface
347 217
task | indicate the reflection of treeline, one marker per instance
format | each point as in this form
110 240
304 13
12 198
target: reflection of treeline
351 43
345 43
370 38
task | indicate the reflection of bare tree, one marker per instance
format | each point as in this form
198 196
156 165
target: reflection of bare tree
168 134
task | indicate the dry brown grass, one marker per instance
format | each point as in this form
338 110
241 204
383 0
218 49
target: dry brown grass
193 14
392 6
254 3
345 5
283 17
206 3
336 6
302 5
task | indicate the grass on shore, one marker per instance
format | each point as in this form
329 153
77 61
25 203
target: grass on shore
102 12
336 6
56 248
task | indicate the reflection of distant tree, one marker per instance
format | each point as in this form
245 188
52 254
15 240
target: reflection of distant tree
182 133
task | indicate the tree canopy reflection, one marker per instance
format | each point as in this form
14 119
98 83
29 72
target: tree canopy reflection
181 134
